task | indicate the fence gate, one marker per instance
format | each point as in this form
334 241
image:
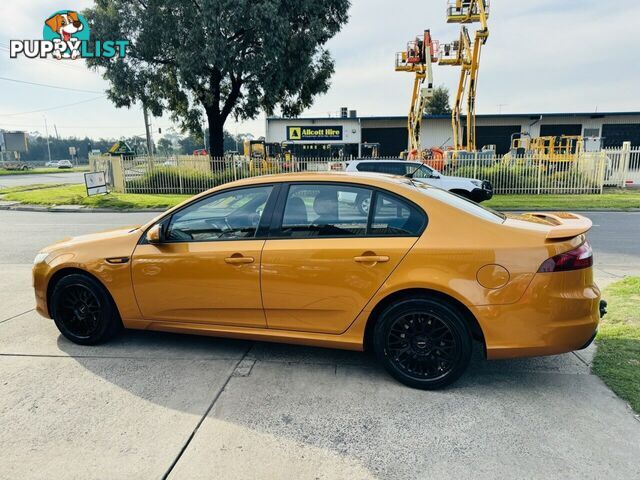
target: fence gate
623 166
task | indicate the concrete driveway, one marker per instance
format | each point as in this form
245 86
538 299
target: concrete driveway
152 405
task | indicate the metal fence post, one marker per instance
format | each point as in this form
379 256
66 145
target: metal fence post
602 167
539 175
625 155
475 165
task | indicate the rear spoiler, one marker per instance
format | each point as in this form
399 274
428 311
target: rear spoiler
564 224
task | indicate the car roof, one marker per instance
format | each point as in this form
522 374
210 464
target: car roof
368 178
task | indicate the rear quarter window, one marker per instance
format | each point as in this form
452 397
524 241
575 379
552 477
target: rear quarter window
461 203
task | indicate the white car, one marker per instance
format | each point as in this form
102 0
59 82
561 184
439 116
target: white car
471 188
65 164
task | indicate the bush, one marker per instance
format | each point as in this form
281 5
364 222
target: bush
515 178
179 180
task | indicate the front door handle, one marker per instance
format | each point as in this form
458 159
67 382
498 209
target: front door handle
238 260
371 259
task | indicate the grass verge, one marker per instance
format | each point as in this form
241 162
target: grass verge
37 171
77 195
615 200
617 359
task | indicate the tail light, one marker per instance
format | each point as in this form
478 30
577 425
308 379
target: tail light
581 257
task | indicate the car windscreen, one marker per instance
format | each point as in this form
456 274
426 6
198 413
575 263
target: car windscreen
461 203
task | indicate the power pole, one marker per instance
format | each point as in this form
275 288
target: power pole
46 129
147 129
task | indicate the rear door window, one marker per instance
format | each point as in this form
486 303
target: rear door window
315 210
329 210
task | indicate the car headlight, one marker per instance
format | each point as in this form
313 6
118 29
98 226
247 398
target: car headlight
477 183
40 257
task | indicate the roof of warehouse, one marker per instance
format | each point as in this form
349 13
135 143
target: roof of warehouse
532 116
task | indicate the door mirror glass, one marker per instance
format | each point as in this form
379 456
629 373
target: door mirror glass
154 234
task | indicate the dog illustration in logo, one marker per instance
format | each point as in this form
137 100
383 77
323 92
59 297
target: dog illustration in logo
66 25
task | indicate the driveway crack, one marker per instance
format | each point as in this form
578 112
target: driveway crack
206 413
18 315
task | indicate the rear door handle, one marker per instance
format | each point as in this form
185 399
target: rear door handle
239 260
371 259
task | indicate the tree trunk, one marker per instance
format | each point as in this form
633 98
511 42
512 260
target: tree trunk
216 135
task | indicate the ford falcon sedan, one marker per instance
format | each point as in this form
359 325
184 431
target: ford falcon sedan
416 277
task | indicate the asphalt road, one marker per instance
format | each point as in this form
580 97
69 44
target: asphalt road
149 404
7 181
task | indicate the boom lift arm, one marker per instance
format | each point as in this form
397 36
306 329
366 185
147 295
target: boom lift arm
418 58
467 56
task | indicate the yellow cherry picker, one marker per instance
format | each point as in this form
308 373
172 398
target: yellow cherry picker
466 54
418 58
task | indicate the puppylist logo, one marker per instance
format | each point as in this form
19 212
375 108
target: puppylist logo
66 36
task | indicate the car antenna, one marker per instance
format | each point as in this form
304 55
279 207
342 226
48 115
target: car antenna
411 174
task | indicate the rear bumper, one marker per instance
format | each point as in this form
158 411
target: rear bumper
558 313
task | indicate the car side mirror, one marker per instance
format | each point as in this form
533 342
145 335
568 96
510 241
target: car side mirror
435 175
154 234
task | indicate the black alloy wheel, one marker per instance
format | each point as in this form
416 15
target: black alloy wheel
83 310
424 343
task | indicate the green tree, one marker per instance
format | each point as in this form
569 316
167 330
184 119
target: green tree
220 57
165 146
439 103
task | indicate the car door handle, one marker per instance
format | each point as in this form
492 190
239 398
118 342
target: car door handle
239 260
371 259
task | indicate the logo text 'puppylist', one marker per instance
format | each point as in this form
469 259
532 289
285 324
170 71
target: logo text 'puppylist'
66 36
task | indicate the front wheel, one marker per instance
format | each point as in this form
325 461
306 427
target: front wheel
424 343
83 310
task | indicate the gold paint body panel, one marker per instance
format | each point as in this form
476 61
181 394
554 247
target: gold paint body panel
314 291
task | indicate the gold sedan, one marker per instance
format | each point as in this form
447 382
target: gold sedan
416 275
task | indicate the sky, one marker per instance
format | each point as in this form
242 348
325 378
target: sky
541 56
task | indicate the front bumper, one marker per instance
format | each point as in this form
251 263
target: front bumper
40 276
483 193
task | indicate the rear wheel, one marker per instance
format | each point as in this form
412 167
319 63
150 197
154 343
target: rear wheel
83 310
424 343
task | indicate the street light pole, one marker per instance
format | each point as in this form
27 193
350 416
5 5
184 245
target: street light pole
46 129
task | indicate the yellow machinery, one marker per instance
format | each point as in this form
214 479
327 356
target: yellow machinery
466 54
417 59
552 149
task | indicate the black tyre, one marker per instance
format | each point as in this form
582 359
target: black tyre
363 203
83 310
424 342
